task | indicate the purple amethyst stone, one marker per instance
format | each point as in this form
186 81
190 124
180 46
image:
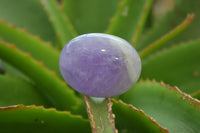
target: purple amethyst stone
100 65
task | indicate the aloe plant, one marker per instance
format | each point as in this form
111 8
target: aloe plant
35 98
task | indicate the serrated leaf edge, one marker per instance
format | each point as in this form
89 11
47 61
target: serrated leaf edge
142 112
21 106
111 116
185 96
63 37
141 22
174 46
25 31
47 71
168 36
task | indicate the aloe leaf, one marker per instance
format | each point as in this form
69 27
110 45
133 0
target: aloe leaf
160 42
61 96
12 71
178 66
170 107
2 71
129 20
171 20
28 14
60 22
39 49
130 119
18 91
34 119
100 115
196 95
89 16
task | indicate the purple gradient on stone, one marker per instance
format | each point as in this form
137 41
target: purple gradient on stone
94 66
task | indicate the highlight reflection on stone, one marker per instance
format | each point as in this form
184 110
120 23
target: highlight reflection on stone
100 65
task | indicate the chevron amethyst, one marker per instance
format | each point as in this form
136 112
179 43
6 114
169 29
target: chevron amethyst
100 65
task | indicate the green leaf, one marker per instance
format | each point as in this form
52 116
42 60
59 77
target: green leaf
18 91
9 69
89 16
39 49
27 14
2 70
178 66
100 114
196 95
130 119
60 22
34 119
170 107
128 21
173 33
61 96
171 20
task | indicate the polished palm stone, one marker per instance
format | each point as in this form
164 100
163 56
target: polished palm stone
100 65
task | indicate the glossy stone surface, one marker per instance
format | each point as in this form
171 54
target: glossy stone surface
100 65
